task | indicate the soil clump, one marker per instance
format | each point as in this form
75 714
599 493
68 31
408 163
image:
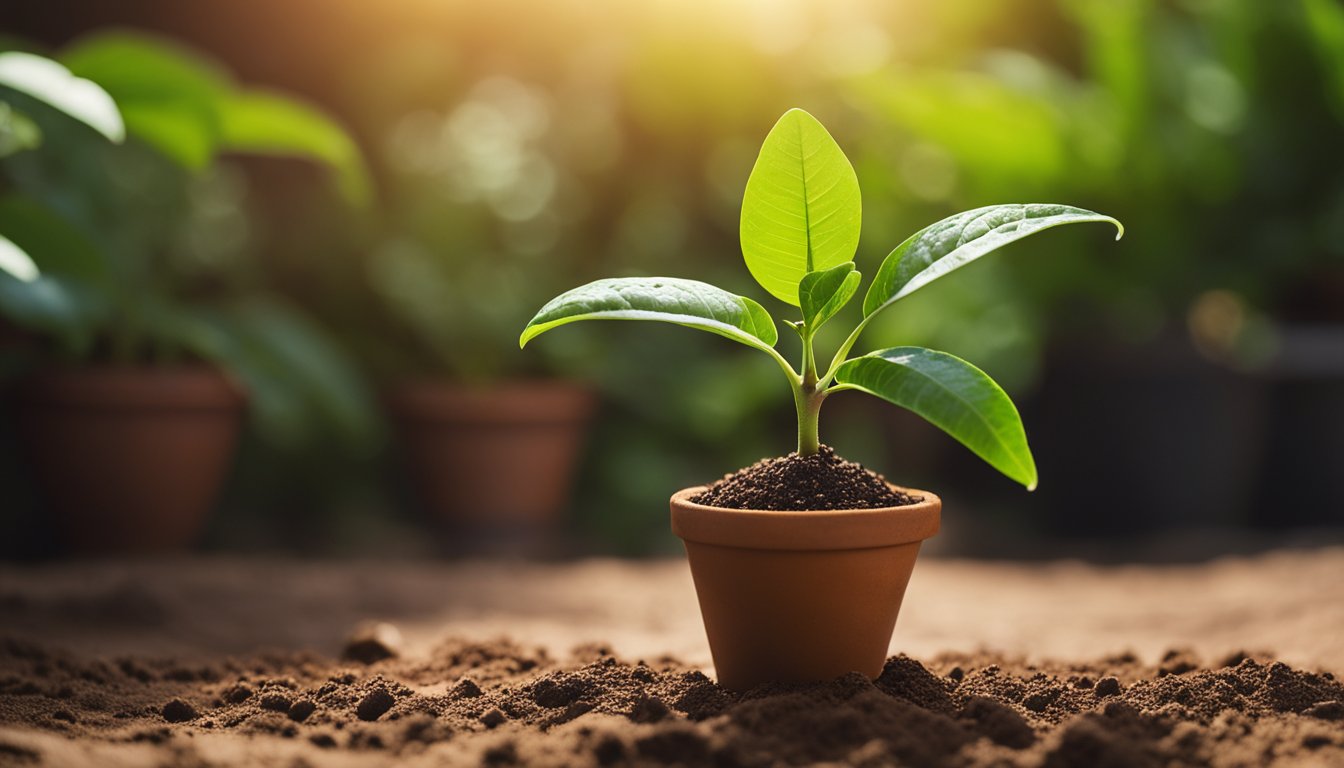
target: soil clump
823 481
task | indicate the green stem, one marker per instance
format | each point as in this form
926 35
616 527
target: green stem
807 397
808 401
809 359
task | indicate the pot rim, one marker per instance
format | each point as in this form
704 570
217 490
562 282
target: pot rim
805 530
521 402
190 387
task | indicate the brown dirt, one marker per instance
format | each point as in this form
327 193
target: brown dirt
498 703
797 483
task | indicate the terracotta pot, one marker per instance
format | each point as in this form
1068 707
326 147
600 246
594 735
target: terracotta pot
800 596
493 460
129 460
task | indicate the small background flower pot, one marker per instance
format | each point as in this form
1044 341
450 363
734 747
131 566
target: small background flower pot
494 466
800 596
129 460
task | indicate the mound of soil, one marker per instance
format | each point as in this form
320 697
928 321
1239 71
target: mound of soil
499 703
799 483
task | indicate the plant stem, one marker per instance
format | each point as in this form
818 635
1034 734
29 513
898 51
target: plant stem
807 397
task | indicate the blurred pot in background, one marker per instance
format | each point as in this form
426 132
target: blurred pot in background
490 439
130 459
137 304
497 462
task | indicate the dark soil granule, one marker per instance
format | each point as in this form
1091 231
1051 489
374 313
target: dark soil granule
372 643
1106 686
799 483
374 705
301 710
178 711
1326 710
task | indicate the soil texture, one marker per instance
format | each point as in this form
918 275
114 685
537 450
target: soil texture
802 483
500 703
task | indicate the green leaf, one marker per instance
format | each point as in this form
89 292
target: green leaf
53 84
169 95
958 240
1325 26
954 396
302 387
17 131
65 292
51 306
182 132
664 299
801 210
188 108
822 294
54 245
16 262
270 124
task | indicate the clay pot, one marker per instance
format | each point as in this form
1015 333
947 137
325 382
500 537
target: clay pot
800 596
129 460
493 461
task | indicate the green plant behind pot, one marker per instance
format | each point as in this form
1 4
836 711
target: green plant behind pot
108 226
799 230
36 300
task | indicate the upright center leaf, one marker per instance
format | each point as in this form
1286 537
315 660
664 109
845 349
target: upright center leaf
801 211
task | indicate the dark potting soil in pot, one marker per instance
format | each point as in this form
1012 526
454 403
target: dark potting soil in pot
498 703
800 483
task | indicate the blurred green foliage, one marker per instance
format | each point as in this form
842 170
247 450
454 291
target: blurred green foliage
519 148
143 247
1211 126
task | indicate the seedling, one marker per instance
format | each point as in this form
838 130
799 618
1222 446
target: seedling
799 231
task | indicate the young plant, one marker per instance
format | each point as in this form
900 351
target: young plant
799 231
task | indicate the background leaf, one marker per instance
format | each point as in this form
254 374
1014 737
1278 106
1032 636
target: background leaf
1325 25
55 246
663 299
958 240
822 294
268 124
15 262
168 95
954 396
54 306
302 388
17 131
64 292
53 84
801 211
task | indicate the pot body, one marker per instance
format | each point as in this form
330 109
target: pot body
492 460
129 460
800 596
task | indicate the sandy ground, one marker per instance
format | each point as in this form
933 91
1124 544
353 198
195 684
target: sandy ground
1289 603
224 662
